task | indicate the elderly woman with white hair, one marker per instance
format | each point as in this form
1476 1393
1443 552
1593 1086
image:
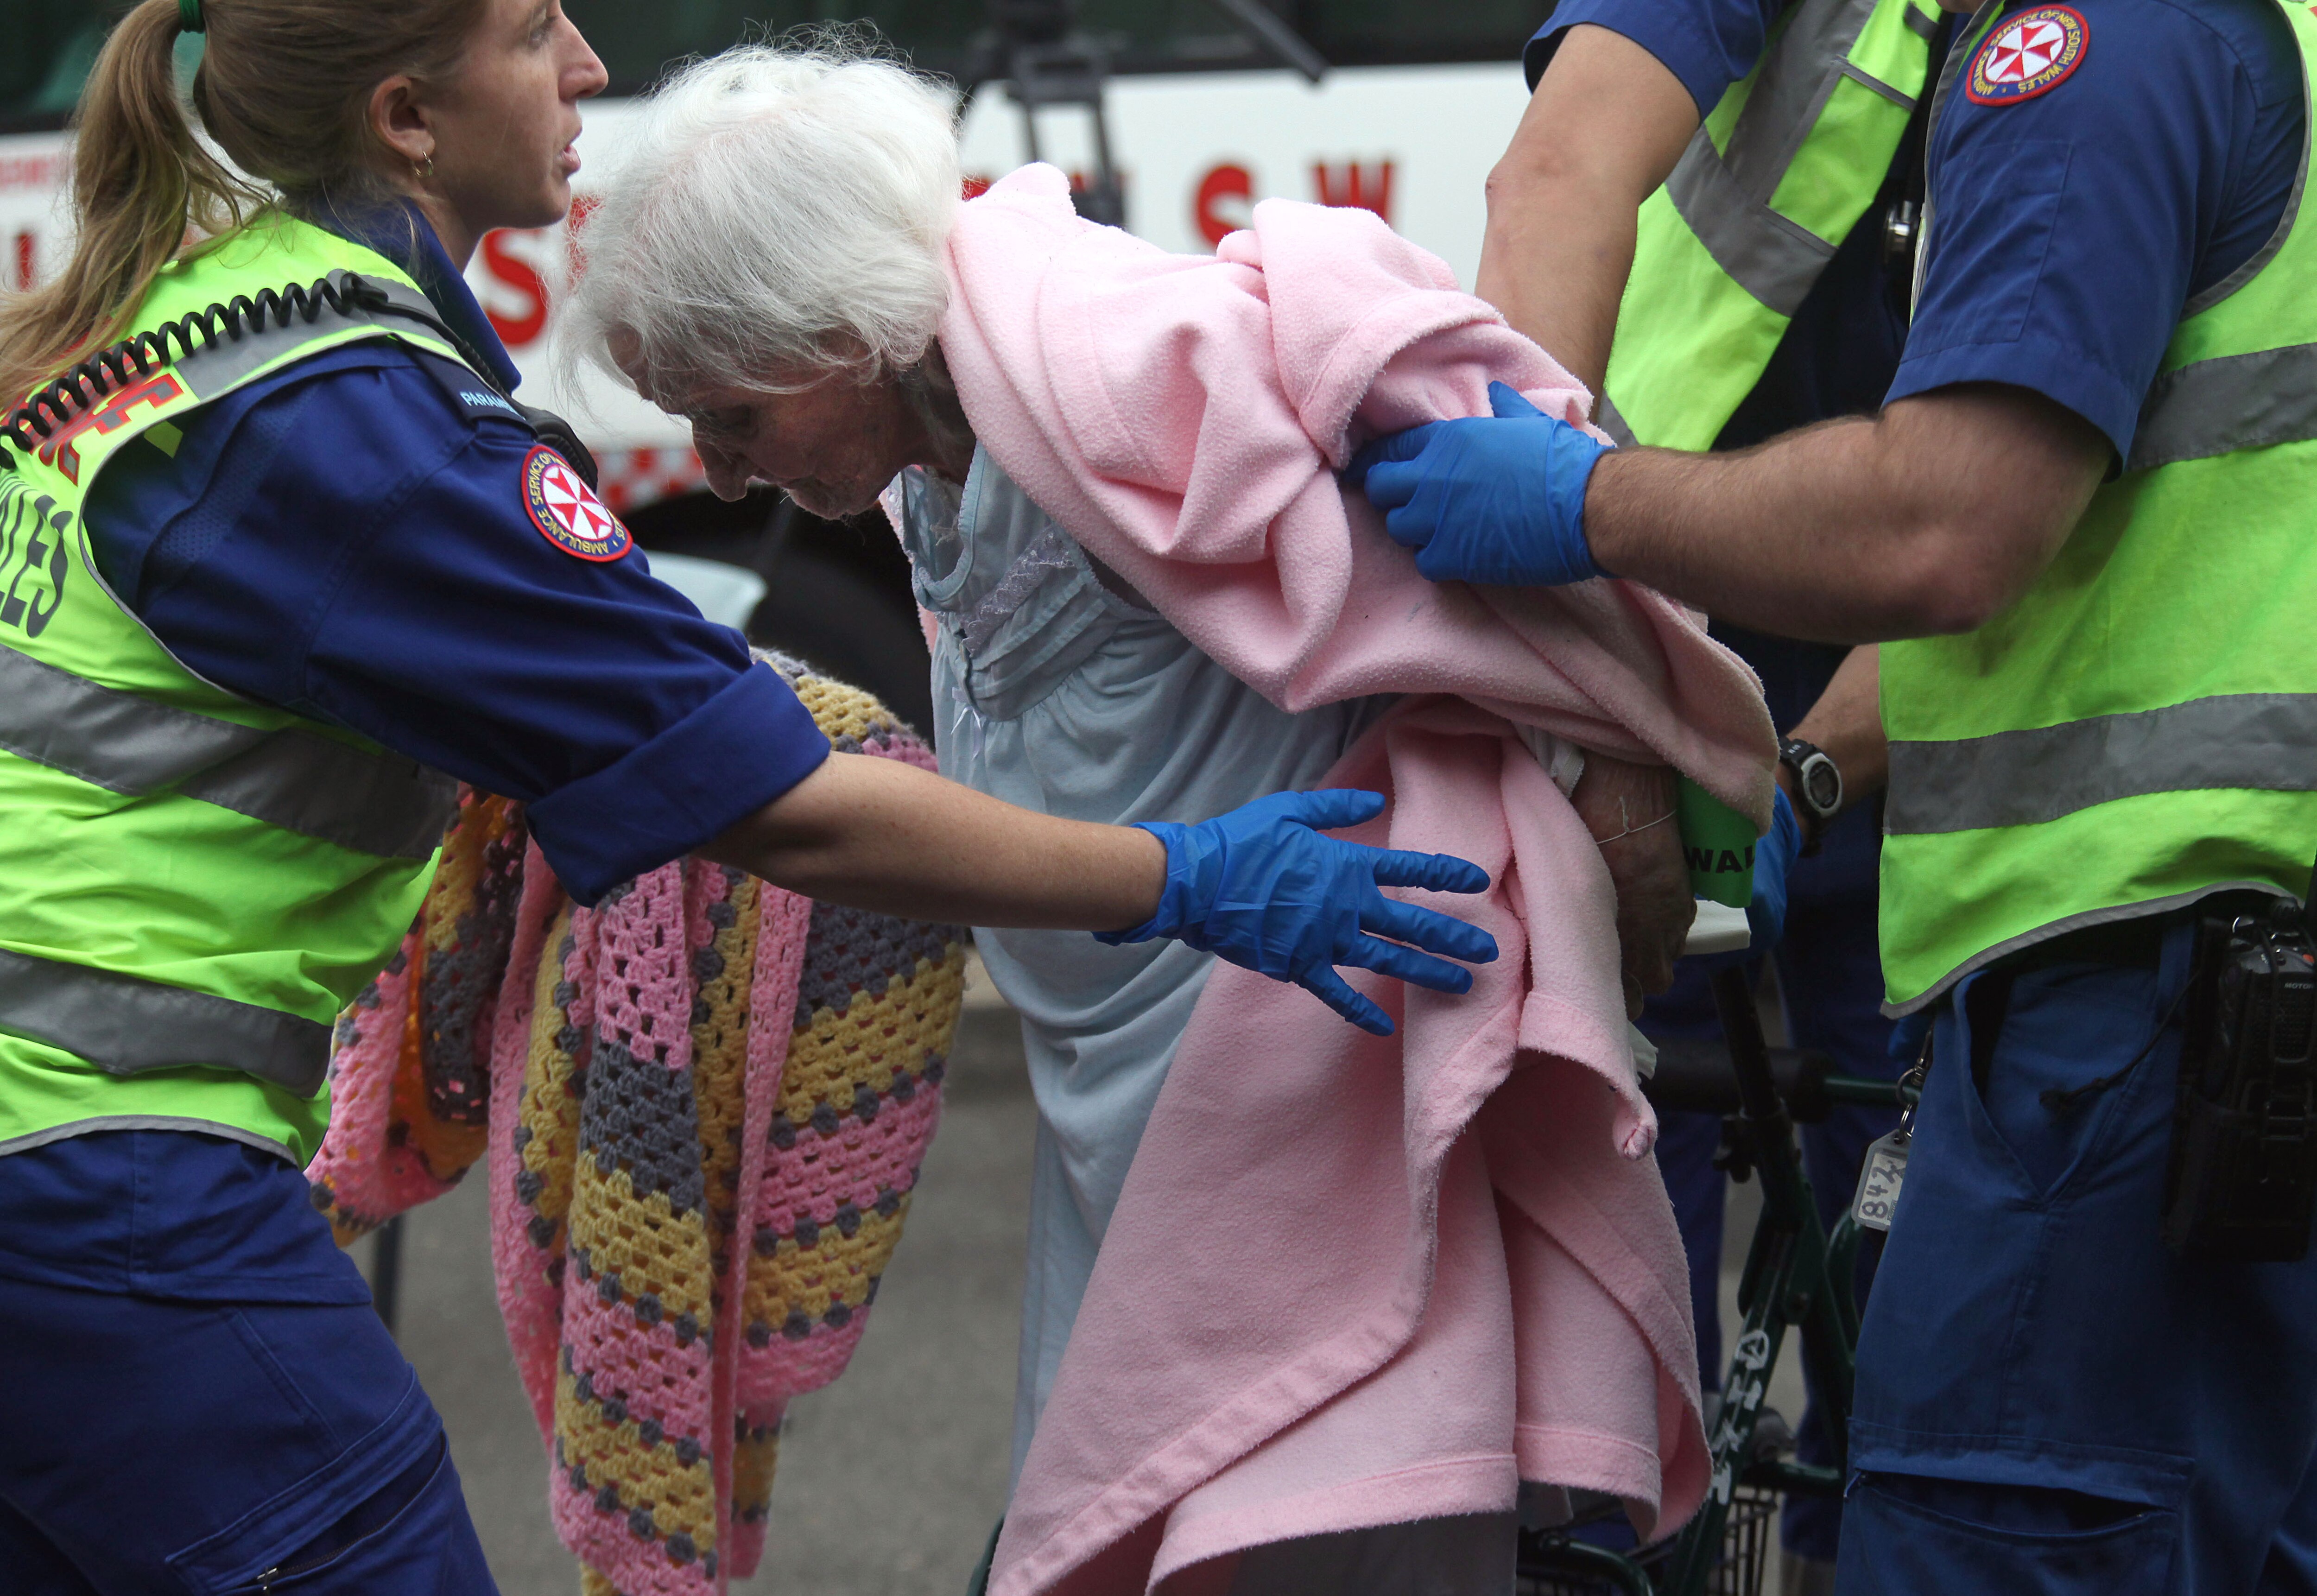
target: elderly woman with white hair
775 262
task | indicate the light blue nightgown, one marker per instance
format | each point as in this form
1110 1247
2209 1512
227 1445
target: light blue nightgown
1061 692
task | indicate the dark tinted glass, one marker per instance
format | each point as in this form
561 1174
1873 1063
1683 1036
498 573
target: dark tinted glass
637 42
50 45
51 42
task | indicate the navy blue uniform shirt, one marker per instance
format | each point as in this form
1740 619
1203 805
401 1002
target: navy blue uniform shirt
349 540
2070 232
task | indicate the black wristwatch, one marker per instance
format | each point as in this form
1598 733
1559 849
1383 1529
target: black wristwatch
1818 787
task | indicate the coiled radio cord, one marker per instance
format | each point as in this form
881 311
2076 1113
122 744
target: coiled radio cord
83 387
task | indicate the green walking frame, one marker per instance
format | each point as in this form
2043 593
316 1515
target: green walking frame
1797 1278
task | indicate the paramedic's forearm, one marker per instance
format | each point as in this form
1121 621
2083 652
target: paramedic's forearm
1846 721
1605 125
879 834
1932 517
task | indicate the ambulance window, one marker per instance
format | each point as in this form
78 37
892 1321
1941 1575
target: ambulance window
53 42
51 45
1390 33
637 42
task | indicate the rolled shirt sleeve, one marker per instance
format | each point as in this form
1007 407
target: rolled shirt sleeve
1707 44
2070 230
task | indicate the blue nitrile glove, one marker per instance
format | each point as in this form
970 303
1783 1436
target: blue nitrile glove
1496 500
1261 887
1774 860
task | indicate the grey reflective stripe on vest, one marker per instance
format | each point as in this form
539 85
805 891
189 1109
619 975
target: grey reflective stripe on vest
378 805
1724 195
2259 742
1606 417
1948 72
213 368
1888 90
125 1026
2236 401
2216 406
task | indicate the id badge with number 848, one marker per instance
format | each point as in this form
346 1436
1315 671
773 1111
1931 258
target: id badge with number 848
1880 1177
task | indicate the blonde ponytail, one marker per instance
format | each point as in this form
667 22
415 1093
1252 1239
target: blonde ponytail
140 181
284 89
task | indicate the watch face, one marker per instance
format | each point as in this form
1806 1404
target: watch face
1822 783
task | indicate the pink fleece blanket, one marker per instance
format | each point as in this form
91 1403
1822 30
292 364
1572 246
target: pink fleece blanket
1352 1281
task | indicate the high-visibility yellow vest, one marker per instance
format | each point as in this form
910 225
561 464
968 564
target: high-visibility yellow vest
191 884
2140 728
1781 170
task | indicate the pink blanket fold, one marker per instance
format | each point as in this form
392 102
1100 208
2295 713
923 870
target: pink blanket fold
1352 1281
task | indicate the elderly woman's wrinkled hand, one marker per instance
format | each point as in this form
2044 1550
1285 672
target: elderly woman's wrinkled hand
1629 810
1261 887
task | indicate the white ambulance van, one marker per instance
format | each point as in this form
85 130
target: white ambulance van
1414 103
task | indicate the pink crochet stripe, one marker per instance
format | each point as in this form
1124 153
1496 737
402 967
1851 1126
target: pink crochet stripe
880 1157
358 1171
786 920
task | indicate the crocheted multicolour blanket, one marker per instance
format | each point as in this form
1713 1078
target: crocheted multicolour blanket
705 1102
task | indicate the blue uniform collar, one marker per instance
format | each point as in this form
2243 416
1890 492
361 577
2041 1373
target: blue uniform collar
390 231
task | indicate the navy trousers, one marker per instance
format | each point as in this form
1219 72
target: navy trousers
200 1399
2048 1400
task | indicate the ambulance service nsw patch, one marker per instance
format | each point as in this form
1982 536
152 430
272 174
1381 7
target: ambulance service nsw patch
566 511
2029 54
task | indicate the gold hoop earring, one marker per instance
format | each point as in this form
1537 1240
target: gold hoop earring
423 169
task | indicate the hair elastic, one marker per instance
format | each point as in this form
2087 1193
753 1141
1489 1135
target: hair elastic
189 17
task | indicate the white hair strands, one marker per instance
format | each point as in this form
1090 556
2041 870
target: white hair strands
778 218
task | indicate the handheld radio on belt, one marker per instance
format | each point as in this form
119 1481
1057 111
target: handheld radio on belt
2243 1177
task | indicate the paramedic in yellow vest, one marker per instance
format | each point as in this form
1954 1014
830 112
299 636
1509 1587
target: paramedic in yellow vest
1820 107
274 577
2079 525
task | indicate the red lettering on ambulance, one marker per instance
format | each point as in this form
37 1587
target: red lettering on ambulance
1352 183
1225 196
515 273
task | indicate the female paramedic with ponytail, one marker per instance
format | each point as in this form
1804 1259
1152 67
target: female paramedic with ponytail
270 581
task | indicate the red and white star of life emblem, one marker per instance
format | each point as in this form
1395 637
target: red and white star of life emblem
566 511
2028 55
2024 48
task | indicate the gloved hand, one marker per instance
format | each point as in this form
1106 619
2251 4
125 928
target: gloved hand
1261 887
1774 860
1496 500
